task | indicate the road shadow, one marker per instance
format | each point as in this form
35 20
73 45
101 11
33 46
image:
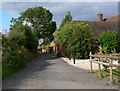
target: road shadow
39 63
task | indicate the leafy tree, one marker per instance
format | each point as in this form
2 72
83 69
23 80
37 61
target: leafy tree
49 31
40 20
24 36
67 18
78 37
0 39
46 41
118 48
109 41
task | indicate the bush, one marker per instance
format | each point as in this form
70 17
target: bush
14 57
78 37
18 47
5 71
23 36
109 41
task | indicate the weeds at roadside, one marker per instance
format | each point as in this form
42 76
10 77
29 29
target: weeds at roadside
105 75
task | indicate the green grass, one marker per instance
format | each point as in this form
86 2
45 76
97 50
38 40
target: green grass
105 74
6 71
0 71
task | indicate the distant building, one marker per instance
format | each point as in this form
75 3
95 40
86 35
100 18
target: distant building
54 45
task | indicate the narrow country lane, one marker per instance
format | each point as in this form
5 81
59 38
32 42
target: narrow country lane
48 72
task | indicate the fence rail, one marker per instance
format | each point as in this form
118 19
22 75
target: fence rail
98 58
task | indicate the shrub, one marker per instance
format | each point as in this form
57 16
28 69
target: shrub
5 71
23 36
109 41
78 37
14 57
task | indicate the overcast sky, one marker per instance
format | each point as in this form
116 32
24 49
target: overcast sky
79 10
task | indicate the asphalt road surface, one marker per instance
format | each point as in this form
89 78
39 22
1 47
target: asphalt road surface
47 71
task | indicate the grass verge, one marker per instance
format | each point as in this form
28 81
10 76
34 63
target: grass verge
6 71
106 73
0 71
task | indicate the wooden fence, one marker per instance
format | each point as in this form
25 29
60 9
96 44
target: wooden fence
98 58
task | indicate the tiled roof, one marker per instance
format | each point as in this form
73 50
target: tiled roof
112 19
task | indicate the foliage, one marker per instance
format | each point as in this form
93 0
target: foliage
0 39
46 41
21 42
41 21
67 18
5 71
23 36
106 73
78 37
45 46
50 30
18 47
14 56
118 48
109 41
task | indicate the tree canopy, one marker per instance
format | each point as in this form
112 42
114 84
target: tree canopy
67 18
41 21
78 37
24 36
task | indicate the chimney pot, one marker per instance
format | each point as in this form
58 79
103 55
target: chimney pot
100 17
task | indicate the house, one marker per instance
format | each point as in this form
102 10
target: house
112 19
98 26
103 24
59 50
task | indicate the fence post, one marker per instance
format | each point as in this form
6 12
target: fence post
99 68
90 62
111 76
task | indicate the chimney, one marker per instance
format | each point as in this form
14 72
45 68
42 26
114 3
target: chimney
100 17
